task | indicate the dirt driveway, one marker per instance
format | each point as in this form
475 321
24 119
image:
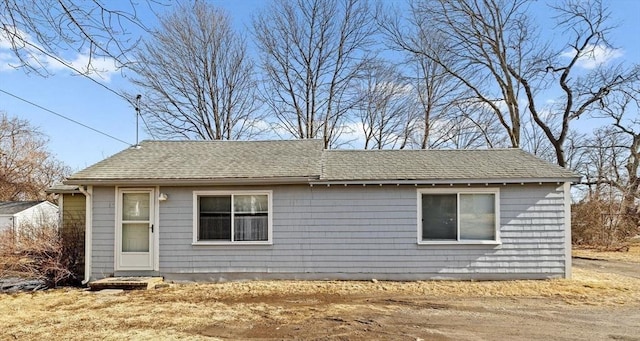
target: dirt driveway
608 266
602 302
400 317
394 316
408 318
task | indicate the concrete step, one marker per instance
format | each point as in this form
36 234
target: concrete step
125 283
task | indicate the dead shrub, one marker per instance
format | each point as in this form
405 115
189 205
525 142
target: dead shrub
36 252
603 224
72 236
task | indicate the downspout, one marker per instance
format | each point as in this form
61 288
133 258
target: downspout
87 231
567 230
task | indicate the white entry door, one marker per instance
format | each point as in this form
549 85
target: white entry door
135 229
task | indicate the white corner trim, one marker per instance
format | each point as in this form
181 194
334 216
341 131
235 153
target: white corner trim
567 230
156 234
88 232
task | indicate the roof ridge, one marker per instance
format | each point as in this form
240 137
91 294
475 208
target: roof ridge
230 141
425 150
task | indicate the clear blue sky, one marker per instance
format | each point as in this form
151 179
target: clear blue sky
84 101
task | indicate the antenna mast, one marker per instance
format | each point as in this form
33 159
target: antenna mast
137 117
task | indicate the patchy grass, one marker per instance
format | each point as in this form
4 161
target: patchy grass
193 311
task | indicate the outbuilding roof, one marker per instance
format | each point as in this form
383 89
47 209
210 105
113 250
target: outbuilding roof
13 207
305 161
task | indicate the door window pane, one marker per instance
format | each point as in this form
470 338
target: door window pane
135 237
135 206
439 220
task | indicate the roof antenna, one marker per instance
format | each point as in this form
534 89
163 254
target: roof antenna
137 118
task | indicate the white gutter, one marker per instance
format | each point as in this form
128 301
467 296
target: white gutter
312 181
193 182
87 231
446 181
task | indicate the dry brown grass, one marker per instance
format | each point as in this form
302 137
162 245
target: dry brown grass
187 311
630 256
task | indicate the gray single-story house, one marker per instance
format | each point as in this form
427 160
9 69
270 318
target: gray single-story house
213 210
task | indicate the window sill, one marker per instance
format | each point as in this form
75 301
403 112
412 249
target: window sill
268 243
461 242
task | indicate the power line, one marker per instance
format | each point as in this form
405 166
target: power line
65 117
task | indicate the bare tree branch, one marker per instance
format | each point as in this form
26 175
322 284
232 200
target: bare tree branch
312 53
38 30
196 77
27 168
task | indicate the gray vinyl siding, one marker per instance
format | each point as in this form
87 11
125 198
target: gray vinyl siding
103 236
351 232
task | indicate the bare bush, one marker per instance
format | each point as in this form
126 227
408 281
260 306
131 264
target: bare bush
72 238
603 223
36 252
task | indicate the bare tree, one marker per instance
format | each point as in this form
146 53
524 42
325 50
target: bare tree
26 167
312 51
469 35
494 49
587 22
623 110
609 161
384 106
608 213
196 77
466 125
535 141
39 32
435 91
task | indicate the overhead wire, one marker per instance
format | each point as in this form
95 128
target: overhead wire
64 117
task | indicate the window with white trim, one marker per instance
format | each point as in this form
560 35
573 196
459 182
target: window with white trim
232 217
458 215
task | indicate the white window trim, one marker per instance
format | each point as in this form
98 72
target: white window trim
490 190
196 219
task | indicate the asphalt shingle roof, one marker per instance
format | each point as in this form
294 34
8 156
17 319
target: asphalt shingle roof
209 160
305 159
437 165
